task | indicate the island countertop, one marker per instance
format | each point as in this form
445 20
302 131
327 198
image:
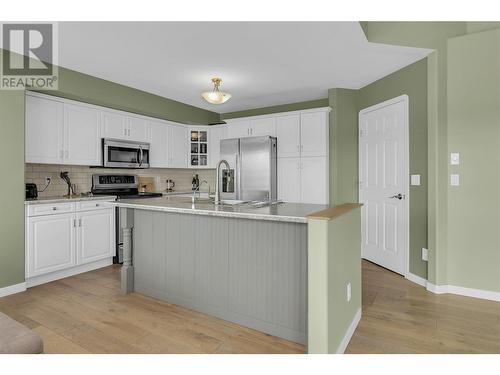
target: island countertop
285 212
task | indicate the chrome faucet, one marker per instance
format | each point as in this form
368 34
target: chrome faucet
217 176
198 190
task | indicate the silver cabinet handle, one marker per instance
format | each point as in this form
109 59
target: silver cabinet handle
54 208
79 222
74 223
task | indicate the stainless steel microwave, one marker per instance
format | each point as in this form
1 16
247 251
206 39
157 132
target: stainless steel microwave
118 153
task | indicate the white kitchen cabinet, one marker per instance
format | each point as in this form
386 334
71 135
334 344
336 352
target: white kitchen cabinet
198 146
314 134
216 134
94 241
238 128
178 146
288 135
159 153
314 180
64 239
289 181
81 135
138 129
263 126
44 130
114 125
50 244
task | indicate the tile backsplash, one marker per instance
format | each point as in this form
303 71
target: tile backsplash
81 177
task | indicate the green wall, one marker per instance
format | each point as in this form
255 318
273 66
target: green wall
276 109
12 188
411 81
334 258
474 132
85 88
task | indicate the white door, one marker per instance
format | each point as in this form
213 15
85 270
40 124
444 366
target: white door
288 134
216 133
44 131
96 235
81 135
313 133
289 179
178 146
314 180
238 128
159 150
51 243
138 129
114 125
263 126
383 183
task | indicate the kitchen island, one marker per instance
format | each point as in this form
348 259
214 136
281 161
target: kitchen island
244 264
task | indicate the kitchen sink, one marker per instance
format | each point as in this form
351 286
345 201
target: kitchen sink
232 202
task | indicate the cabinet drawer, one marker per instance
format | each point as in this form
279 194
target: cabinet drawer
92 205
50 209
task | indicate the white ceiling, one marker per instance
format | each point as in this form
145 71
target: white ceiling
261 63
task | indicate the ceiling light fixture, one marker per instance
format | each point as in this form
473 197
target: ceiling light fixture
216 96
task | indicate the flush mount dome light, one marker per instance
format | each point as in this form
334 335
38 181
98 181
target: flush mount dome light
216 96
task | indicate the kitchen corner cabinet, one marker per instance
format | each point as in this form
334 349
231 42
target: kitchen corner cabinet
64 239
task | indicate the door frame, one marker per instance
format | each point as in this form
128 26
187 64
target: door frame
406 166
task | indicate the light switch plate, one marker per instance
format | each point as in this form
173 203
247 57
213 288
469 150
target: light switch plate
415 179
425 254
455 158
455 180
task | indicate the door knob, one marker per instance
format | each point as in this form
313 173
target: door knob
398 196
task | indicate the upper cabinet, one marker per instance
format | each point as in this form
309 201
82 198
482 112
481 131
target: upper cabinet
251 127
238 128
314 134
159 153
61 133
288 134
216 133
44 131
178 146
118 125
81 135
138 129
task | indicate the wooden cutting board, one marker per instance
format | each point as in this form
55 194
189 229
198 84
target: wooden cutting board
148 182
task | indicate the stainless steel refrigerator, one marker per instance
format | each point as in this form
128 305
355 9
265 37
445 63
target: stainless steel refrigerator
253 172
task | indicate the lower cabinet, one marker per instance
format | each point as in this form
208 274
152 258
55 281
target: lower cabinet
63 244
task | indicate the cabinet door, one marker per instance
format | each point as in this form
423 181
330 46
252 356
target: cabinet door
178 146
217 132
288 134
138 129
50 244
96 235
314 180
44 131
238 128
82 140
263 126
314 134
289 179
114 125
159 150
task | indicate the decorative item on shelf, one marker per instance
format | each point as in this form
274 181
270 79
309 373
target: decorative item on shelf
216 96
170 184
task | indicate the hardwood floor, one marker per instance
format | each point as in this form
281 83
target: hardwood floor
402 317
87 314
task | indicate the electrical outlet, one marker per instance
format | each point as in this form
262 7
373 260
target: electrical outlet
425 254
47 180
348 292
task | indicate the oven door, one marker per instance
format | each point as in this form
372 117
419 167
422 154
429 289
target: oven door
125 154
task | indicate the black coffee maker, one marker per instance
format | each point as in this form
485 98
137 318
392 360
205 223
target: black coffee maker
31 191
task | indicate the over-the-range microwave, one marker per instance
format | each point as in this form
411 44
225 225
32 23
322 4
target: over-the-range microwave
118 153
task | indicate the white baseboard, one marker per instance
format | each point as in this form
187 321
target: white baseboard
350 331
12 289
42 279
416 279
462 291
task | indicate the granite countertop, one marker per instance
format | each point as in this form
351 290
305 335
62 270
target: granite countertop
77 198
286 212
